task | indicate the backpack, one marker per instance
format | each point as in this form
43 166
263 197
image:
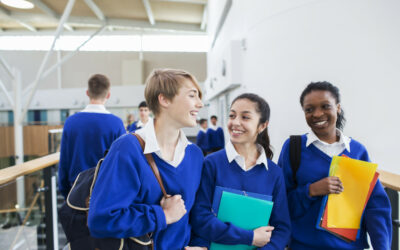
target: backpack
74 211
295 155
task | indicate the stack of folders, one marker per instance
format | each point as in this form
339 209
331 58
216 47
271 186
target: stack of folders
243 209
341 214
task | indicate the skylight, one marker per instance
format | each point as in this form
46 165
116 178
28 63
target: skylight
178 43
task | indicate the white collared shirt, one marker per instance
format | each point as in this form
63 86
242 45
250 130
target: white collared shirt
330 149
213 127
140 124
203 130
232 154
96 108
148 134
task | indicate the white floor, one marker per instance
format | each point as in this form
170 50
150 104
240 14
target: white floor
27 238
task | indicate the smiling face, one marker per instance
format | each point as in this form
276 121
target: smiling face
244 122
321 111
184 107
144 113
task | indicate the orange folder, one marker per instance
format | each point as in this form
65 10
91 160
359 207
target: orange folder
347 234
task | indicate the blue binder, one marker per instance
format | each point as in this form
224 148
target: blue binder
218 194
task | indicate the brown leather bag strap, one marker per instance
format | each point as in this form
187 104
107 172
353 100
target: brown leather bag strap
152 164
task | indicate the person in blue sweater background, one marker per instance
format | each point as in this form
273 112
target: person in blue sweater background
244 164
127 200
324 115
215 136
87 134
130 120
201 139
144 117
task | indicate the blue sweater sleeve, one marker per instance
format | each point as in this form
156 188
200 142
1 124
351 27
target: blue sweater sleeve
205 224
280 219
377 215
378 218
63 183
299 199
114 207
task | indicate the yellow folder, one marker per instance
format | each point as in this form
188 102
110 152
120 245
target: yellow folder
345 209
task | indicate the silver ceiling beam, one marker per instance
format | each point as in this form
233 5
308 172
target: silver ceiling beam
149 12
183 1
65 58
22 23
10 75
96 10
8 96
95 23
63 19
46 9
6 67
204 18
139 24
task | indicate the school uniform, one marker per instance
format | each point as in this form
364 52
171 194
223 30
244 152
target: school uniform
316 157
126 198
226 168
215 138
131 127
201 140
138 125
86 135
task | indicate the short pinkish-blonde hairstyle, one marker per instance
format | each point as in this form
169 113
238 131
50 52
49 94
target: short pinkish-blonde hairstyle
166 82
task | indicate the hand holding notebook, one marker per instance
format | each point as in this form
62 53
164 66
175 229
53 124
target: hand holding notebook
262 236
239 208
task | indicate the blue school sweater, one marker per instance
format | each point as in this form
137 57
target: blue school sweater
126 198
218 171
304 209
85 138
133 127
215 138
202 141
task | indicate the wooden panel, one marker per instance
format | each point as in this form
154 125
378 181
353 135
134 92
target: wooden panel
35 140
6 141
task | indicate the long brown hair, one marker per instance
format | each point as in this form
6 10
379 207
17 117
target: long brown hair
263 109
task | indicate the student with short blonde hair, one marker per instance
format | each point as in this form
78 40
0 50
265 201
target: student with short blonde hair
127 200
166 82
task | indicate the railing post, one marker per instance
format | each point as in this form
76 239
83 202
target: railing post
394 201
51 208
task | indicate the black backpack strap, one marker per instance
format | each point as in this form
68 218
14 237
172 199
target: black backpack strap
295 154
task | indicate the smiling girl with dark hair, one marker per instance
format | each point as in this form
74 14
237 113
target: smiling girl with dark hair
244 164
324 115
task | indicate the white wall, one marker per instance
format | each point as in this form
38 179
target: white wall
76 71
355 44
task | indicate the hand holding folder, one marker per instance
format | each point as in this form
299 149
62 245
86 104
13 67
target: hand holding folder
341 213
241 210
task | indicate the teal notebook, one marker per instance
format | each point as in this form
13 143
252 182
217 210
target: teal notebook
242 211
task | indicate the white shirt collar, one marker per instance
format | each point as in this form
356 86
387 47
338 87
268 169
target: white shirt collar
140 124
343 140
213 127
202 129
148 134
232 154
95 108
